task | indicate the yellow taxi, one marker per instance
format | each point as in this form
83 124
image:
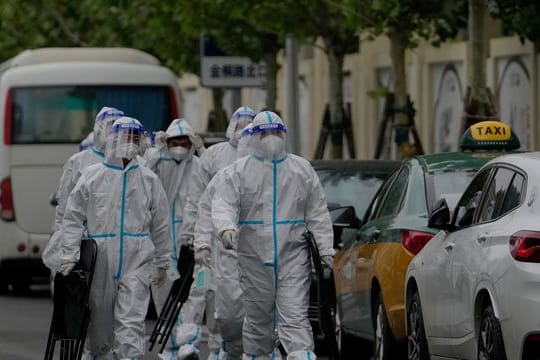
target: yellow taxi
370 268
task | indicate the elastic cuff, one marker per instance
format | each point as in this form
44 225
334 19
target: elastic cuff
327 252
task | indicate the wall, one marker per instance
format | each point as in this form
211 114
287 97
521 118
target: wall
436 80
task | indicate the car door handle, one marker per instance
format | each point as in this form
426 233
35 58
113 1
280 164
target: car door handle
375 235
449 247
481 239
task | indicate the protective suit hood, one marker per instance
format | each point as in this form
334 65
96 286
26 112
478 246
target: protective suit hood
242 114
181 127
87 142
102 126
120 145
268 133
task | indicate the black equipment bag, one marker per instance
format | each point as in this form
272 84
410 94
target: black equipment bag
71 313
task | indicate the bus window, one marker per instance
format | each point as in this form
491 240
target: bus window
65 114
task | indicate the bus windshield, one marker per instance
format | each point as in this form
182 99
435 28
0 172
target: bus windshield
66 114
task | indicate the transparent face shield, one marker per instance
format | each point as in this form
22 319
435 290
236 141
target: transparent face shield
126 141
269 140
234 132
244 143
103 125
102 130
146 142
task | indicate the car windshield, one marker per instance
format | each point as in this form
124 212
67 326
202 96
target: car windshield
65 114
348 187
448 185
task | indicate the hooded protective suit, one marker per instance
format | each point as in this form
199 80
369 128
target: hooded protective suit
229 313
87 142
214 158
268 199
73 168
174 168
124 205
202 292
175 173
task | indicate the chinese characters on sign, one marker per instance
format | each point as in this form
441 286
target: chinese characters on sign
227 71
237 71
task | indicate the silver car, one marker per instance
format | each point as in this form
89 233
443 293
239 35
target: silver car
473 292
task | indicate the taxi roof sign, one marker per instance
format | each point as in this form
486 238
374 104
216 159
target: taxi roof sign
489 135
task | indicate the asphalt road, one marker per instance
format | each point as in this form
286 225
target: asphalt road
25 321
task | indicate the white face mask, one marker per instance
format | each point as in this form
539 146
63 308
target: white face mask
178 152
272 146
127 151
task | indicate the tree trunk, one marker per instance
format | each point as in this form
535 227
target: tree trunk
477 49
270 60
335 61
398 46
397 54
479 104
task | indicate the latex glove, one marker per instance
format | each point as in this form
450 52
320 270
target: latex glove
202 257
159 277
229 239
198 144
66 268
160 139
327 260
186 240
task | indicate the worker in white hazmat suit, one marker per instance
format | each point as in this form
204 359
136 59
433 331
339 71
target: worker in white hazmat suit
201 297
262 209
210 252
174 163
125 209
73 168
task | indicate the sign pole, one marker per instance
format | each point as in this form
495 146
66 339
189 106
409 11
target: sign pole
292 95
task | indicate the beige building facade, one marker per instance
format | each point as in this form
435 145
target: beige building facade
436 80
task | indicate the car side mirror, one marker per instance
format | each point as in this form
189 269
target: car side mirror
345 217
439 218
52 200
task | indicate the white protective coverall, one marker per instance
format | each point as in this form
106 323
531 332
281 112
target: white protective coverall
202 291
73 168
229 312
125 207
175 175
174 171
269 199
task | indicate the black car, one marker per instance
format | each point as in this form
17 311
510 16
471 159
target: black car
347 183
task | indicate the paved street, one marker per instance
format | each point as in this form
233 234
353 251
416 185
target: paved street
25 322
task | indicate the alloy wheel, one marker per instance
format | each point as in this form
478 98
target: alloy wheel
337 328
485 340
379 348
413 345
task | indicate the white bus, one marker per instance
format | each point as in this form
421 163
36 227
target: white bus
48 102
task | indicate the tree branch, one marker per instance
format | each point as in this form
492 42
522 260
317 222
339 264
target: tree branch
65 29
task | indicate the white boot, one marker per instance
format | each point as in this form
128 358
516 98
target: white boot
187 352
